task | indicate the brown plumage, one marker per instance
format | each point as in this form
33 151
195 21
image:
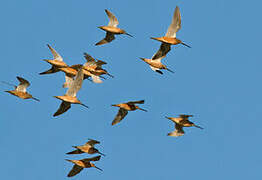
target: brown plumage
111 29
56 63
70 96
95 67
88 148
156 65
20 90
180 122
124 108
79 165
170 37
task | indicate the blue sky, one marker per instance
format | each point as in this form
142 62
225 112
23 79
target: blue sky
217 80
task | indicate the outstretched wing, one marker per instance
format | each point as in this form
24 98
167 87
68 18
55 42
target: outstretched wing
177 132
120 115
92 142
64 106
179 129
77 151
75 170
55 54
76 85
109 37
23 84
162 52
96 158
136 102
90 60
112 19
175 24
185 116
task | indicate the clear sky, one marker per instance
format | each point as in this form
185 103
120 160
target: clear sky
217 80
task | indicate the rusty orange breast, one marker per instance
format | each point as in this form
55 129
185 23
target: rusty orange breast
168 40
70 99
112 29
57 63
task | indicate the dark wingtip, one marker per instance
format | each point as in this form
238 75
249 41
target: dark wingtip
160 72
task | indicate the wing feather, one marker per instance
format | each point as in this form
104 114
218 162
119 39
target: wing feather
120 115
112 19
55 54
175 24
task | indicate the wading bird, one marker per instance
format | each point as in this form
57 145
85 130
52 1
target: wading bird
88 148
70 96
156 65
170 37
180 122
70 73
79 165
124 108
111 29
95 68
56 63
20 90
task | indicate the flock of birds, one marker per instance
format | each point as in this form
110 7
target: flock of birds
75 74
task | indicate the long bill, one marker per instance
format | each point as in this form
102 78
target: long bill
142 109
35 99
129 35
198 127
185 45
101 153
84 105
110 75
98 168
170 70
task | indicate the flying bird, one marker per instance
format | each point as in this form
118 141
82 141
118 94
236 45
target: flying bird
70 96
70 73
95 67
20 90
124 108
180 122
111 29
88 148
156 65
170 37
56 63
79 165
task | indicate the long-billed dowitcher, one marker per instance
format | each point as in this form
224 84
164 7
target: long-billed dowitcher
180 122
56 63
70 96
124 108
156 65
79 165
20 90
88 148
95 67
111 29
70 73
170 37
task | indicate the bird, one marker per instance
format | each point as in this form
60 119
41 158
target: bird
95 67
170 37
70 73
111 29
180 122
124 108
70 96
79 165
20 90
156 65
88 147
56 63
